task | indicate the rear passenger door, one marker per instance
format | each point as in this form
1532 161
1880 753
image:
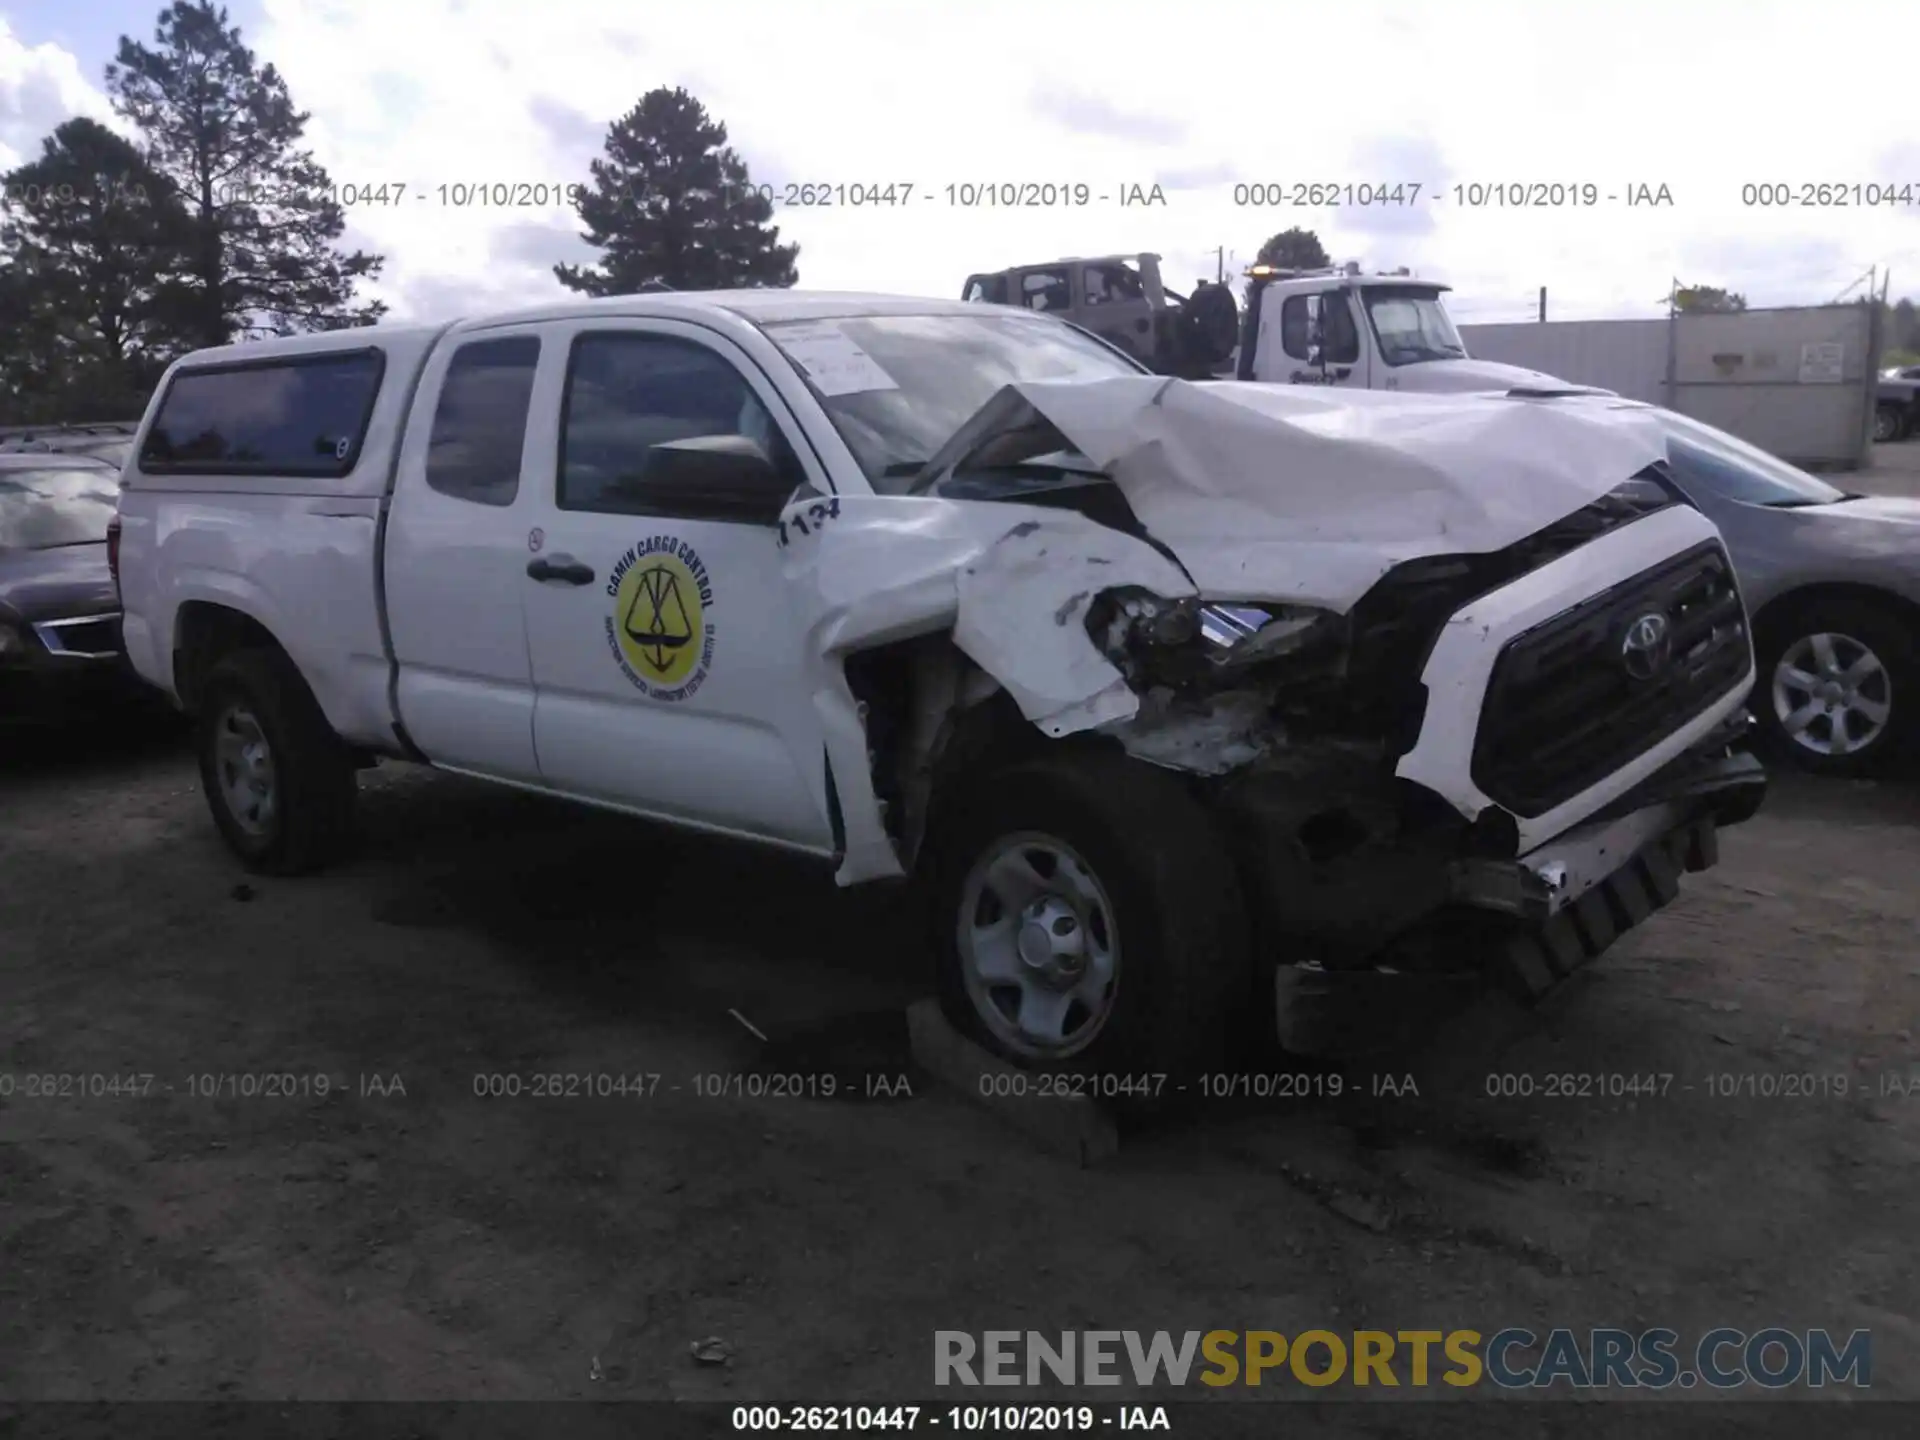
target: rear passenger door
665 653
455 552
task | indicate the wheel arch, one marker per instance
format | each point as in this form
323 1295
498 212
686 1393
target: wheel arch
204 633
933 717
1780 609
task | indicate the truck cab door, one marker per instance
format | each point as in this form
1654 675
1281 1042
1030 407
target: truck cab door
1319 340
1343 346
455 546
667 662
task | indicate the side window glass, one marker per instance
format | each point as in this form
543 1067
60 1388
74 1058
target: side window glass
1342 336
304 415
1296 325
1046 290
627 394
480 422
1110 285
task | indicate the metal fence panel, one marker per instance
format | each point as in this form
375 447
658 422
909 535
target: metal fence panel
1798 382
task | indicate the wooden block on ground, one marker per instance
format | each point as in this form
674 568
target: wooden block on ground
1073 1127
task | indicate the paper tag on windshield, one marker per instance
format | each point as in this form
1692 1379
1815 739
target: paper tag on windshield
835 364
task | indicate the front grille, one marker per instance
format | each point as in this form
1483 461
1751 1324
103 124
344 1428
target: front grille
93 637
1563 710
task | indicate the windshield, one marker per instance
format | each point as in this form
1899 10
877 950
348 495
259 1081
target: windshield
1734 470
1410 324
40 509
898 386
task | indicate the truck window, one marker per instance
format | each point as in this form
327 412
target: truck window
1296 325
301 415
628 393
987 289
480 423
1340 333
1111 284
1046 290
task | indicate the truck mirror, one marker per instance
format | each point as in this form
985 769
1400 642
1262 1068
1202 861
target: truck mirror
717 477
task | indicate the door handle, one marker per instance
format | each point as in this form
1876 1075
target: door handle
564 568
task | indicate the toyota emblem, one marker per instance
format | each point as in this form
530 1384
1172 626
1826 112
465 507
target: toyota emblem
1647 646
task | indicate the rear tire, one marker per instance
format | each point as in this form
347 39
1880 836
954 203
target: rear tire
1853 655
1889 425
1131 904
280 784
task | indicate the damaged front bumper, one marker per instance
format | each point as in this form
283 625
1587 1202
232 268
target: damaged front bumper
1560 905
1581 891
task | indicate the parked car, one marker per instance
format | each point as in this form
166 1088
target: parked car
1832 579
1169 695
109 442
1897 413
60 655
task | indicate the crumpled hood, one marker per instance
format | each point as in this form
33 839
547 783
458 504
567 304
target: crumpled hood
1268 492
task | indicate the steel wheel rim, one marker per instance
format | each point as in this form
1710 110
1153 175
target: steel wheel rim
243 765
1884 426
1832 695
1039 947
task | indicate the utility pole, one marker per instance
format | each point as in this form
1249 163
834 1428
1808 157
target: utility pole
1543 304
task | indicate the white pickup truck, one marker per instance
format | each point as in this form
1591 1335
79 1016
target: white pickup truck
1162 690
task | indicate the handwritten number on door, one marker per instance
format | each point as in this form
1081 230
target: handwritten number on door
809 520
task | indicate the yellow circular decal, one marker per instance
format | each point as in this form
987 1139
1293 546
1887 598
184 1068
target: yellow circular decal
660 628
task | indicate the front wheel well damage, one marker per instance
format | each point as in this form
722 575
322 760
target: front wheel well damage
934 721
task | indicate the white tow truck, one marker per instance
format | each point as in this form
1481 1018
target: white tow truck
1383 331
1164 691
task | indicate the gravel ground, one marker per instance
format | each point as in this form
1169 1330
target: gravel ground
406 1237
439 1244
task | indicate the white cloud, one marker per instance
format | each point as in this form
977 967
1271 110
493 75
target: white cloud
1699 98
41 86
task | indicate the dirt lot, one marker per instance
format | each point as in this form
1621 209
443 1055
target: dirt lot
1895 471
440 1244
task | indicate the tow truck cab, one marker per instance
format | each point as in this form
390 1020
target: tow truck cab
1385 331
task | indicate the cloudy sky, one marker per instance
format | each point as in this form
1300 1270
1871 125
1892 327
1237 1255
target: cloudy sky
1698 96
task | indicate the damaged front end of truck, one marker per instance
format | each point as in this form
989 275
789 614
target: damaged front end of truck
1459 679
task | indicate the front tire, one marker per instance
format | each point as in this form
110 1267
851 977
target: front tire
1889 425
1088 918
1838 688
280 784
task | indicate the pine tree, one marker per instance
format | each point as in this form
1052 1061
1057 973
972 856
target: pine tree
91 241
223 129
1294 249
671 204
